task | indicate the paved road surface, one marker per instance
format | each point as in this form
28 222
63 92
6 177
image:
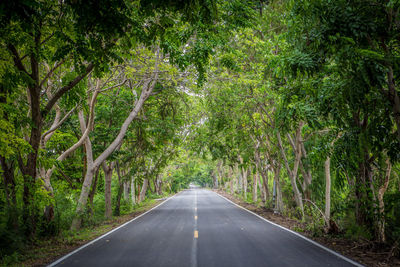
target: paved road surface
198 227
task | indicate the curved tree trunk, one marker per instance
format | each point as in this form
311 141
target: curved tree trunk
147 89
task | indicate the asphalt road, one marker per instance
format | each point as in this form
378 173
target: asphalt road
198 227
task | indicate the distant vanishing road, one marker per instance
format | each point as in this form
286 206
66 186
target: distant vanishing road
198 227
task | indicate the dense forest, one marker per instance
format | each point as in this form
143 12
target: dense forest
291 105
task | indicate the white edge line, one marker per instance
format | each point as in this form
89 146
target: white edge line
106 234
295 233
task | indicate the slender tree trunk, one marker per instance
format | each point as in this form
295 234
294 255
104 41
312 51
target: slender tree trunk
262 174
255 181
220 174
133 191
327 191
266 194
120 190
126 190
240 177
230 175
293 173
262 189
245 175
278 201
382 190
159 185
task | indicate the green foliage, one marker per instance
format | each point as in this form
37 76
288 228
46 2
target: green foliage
233 75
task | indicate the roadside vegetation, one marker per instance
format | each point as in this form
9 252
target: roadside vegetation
292 106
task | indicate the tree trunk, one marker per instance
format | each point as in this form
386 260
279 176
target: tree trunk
133 191
245 175
255 181
87 182
220 174
76 222
240 177
278 191
327 191
108 172
230 175
159 184
142 194
382 190
266 193
262 189
215 180
93 191
10 192
293 173
117 211
126 190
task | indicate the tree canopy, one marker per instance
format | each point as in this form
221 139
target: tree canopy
292 105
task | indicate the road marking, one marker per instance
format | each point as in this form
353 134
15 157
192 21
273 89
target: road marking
193 256
106 234
295 233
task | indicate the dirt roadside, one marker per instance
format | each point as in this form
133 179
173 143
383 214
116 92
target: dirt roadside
362 251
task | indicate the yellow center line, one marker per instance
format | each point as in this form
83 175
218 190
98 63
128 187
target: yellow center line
196 234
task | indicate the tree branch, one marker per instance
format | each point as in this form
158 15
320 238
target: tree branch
51 72
55 127
17 59
66 88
